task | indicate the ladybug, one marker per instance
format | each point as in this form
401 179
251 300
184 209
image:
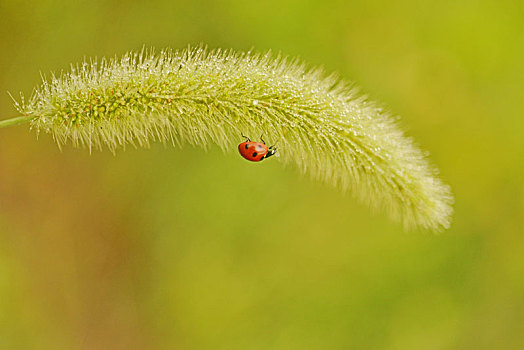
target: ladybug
255 151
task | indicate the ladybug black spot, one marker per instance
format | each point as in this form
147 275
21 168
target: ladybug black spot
255 154
247 146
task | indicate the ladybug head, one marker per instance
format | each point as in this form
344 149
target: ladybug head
270 152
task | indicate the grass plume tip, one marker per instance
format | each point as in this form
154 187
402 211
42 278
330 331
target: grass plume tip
199 96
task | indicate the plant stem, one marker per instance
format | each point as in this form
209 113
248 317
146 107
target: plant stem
15 121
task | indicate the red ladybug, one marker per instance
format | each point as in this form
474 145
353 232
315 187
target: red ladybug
255 151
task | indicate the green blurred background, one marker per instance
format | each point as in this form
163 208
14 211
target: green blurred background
167 248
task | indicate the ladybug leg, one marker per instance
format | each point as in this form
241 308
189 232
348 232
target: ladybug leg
261 139
247 138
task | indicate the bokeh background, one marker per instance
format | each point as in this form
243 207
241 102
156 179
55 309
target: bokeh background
158 249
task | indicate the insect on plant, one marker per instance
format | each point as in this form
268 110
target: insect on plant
326 127
256 151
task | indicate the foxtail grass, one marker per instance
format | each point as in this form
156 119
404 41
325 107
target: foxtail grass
323 125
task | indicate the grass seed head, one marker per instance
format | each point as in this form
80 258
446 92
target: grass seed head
324 126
